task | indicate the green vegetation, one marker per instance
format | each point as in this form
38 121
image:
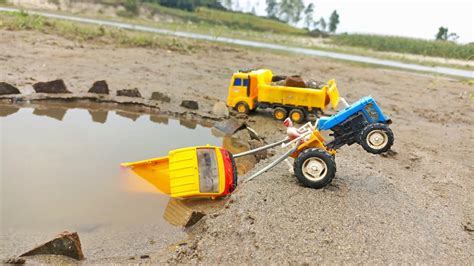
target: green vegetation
88 33
406 45
234 20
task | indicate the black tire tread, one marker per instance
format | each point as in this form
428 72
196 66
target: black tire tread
330 163
363 138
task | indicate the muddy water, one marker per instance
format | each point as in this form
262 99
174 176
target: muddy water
60 171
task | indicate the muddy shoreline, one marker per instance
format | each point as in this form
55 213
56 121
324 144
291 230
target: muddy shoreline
412 205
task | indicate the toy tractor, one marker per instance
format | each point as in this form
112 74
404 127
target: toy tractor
364 123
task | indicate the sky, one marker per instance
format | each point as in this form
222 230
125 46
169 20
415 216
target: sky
416 18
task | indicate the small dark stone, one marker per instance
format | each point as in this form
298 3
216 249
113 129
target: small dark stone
144 257
190 104
55 86
129 93
229 126
6 88
159 96
66 244
99 87
15 261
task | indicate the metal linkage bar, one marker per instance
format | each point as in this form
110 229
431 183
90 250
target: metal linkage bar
273 164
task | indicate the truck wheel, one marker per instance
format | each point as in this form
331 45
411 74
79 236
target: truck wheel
242 107
280 113
297 115
376 138
315 168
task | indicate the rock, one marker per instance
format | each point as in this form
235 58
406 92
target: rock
65 244
129 93
15 261
277 78
256 144
220 109
253 134
99 87
55 86
159 96
229 126
241 116
6 88
190 104
295 81
144 256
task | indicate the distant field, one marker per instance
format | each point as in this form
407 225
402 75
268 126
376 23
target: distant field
406 45
234 20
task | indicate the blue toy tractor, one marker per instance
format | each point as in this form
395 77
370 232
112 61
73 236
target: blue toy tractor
362 122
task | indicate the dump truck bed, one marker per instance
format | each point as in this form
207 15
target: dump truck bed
302 97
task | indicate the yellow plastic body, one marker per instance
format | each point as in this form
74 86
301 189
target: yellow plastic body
259 89
315 140
177 174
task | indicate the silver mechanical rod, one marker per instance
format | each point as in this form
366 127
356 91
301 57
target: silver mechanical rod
271 145
273 164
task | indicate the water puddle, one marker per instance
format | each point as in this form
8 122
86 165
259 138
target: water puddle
60 171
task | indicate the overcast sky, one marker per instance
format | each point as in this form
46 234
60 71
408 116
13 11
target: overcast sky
416 18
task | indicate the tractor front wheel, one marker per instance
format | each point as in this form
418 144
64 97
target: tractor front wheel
242 107
280 113
376 138
314 168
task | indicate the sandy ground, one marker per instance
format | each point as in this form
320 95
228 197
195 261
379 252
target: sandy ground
413 205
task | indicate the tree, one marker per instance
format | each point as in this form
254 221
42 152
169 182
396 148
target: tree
333 21
290 10
308 16
272 8
322 24
442 34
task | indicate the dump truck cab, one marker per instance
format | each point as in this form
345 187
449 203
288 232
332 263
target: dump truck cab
364 123
243 88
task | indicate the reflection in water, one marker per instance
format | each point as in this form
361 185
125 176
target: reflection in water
132 116
53 112
188 123
161 119
234 145
8 110
99 116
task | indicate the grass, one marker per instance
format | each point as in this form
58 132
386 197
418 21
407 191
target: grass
234 20
442 49
89 33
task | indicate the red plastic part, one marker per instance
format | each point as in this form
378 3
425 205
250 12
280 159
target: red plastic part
229 173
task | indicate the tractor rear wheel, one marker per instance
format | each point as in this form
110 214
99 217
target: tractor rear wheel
297 115
280 113
242 107
376 138
314 168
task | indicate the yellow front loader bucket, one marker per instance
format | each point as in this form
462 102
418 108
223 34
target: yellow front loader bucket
333 93
155 171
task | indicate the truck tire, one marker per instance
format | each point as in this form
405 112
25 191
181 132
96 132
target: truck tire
376 138
297 116
242 107
314 168
280 113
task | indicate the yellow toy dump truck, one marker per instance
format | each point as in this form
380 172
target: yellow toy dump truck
253 88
